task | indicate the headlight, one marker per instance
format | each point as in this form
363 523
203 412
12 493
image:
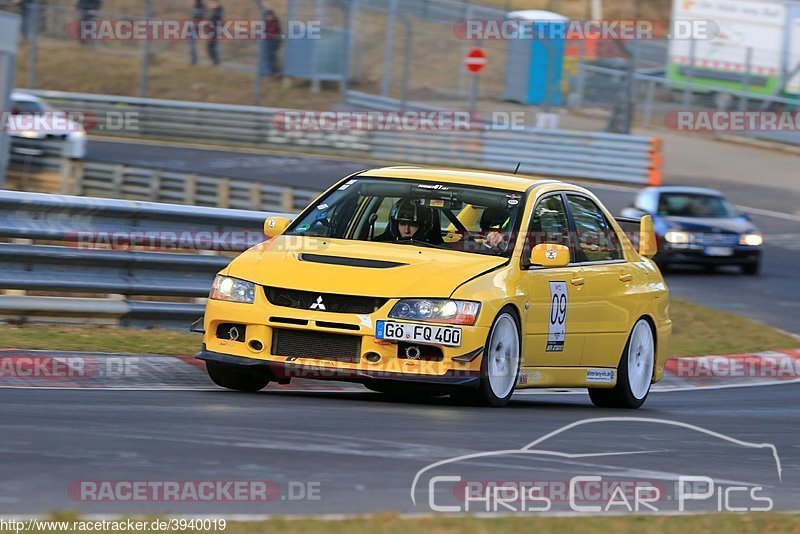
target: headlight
78 134
232 290
437 311
677 237
751 240
28 134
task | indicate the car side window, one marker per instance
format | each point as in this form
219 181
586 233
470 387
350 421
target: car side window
595 239
548 224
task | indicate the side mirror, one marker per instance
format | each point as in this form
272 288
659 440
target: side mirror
747 216
648 246
550 256
275 226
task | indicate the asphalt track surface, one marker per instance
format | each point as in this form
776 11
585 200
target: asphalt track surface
773 297
361 451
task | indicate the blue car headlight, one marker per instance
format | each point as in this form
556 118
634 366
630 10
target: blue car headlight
233 290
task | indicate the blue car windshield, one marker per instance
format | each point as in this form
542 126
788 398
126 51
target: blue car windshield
695 205
425 214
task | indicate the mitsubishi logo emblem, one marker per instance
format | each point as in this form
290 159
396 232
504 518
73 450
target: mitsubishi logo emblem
318 305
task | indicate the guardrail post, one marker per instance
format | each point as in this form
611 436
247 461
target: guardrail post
117 179
78 170
224 193
287 199
155 185
255 197
66 175
190 189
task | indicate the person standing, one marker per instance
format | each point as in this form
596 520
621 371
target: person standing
274 40
87 11
198 15
216 24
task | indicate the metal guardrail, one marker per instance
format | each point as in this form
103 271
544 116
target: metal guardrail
94 178
193 121
594 155
570 154
99 251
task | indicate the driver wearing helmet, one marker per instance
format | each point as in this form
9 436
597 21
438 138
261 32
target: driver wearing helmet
410 222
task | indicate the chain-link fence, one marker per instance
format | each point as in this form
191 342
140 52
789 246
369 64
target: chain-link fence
692 84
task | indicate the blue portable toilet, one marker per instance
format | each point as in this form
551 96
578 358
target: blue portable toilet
535 59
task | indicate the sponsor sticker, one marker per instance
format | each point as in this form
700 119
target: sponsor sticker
606 376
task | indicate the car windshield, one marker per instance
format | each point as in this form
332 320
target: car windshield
425 214
695 205
27 106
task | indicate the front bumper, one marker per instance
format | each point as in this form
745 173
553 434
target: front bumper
698 256
283 370
263 320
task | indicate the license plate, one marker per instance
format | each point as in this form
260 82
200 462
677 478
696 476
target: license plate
418 333
719 251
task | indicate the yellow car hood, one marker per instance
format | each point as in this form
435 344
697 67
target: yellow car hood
326 266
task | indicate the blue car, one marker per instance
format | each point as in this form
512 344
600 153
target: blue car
696 225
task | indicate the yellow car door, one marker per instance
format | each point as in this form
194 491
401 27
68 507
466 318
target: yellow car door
551 336
609 295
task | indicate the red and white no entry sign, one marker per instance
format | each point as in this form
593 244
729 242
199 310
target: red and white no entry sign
475 60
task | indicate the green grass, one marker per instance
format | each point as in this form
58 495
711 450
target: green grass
697 331
98 339
390 523
701 331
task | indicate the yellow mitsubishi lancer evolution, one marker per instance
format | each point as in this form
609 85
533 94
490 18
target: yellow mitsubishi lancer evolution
421 281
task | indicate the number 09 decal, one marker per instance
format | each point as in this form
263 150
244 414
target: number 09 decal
557 329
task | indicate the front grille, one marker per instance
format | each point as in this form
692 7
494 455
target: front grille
320 345
714 239
308 300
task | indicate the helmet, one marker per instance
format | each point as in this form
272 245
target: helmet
406 212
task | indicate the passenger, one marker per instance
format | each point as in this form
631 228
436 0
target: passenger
492 223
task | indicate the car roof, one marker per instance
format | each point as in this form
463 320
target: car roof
19 96
686 189
499 180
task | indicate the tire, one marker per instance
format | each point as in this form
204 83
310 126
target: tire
634 372
751 269
499 365
237 378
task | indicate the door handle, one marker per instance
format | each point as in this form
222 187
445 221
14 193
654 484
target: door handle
577 281
625 277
